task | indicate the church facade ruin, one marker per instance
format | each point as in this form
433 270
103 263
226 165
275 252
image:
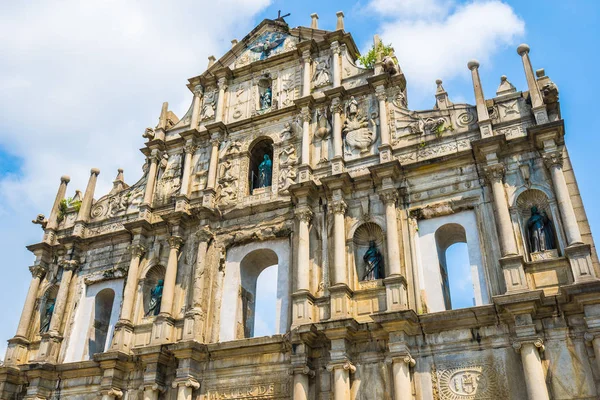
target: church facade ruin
292 155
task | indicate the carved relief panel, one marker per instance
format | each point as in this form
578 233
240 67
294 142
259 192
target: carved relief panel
239 102
469 381
360 127
169 178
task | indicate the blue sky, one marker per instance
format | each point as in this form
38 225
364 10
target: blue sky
80 81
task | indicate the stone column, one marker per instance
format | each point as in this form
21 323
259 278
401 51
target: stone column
304 216
214 162
166 305
301 382
61 298
537 103
594 339
341 379
383 122
532 366
554 163
137 251
401 376
185 388
189 149
88 197
151 392
196 106
306 59
495 174
221 100
124 328
149 191
194 317
60 195
340 272
37 272
389 198
485 125
337 75
336 107
305 136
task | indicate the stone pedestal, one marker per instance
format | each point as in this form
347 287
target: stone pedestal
337 165
208 198
163 330
396 293
304 173
16 352
340 298
303 308
514 274
385 153
123 336
49 347
580 258
192 326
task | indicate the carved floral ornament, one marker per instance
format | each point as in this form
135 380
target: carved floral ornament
304 215
537 342
494 172
338 207
38 271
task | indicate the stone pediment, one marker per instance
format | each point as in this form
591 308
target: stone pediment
264 46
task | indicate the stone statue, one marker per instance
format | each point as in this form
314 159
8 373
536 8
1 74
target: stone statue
264 172
266 99
155 298
48 311
356 129
539 231
322 75
374 262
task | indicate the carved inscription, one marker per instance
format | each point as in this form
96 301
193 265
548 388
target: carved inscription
275 390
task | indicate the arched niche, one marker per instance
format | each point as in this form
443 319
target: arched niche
153 275
98 332
435 236
46 309
524 203
243 266
363 236
258 150
91 308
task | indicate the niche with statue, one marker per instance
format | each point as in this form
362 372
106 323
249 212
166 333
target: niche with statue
152 289
368 242
265 95
537 228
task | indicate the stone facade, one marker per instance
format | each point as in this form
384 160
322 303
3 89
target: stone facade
353 168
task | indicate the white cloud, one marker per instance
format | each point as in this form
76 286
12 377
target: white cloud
79 82
439 44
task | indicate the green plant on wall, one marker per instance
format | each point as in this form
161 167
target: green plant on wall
369 59
64 206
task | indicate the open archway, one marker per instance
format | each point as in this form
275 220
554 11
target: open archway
241 301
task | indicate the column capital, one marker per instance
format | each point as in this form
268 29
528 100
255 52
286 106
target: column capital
302 370
198 90
537 342
388 195
307 56
189 382
553 159
69 265
398 358
304 214
113 392
335 47
215 139
338 207
494 172
336 105
590 336
190 148
38 271
137 250
305 114
221 83
155 155
175 242
345 365
380 93
154 387
205 234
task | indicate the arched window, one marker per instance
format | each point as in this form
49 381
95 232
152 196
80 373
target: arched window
261 165
251 267
265 304
103 305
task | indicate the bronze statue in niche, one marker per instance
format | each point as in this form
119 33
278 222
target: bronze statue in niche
374 263
540 233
